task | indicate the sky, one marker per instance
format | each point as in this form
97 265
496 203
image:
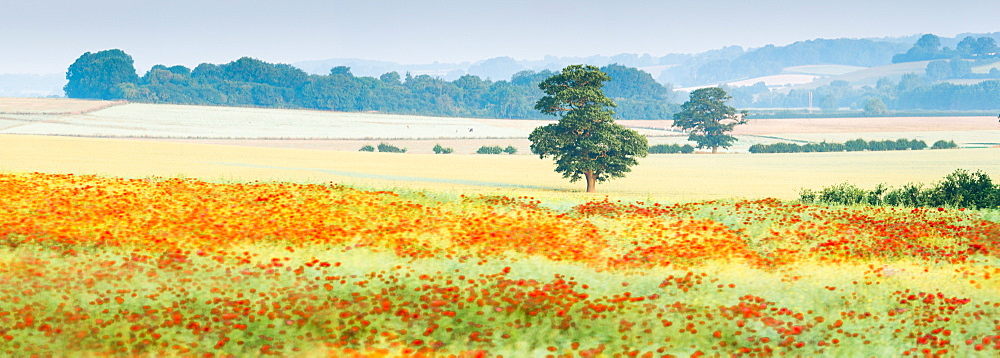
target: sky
46 36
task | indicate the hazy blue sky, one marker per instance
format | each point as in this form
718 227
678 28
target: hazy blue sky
45 36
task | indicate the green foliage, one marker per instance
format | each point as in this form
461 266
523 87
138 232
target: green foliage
438 149
585 143
251 82
943 144
959 189
102 75
389 148
850 146
636 94
367 148
510 150
708 118
490 149
671 149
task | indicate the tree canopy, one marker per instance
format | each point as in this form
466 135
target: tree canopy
102 75
585 143
252 82
708 118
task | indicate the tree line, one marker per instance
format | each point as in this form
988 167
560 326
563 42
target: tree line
247 81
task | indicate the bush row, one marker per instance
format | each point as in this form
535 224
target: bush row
959 189
384 148
856 145
438 149
671 149
496 149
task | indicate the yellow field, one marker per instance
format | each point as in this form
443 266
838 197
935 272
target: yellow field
663 177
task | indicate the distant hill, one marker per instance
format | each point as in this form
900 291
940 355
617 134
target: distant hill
31 85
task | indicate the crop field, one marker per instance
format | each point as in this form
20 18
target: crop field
303 246
665 177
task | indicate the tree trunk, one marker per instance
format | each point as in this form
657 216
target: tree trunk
715 150
591 181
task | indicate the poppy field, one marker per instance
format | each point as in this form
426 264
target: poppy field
102 266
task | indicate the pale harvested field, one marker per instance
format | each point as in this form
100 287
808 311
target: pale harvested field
11 105
659 177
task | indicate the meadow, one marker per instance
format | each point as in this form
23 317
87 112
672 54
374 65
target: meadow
127 247
181 267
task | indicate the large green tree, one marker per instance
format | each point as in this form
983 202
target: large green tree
708 118
101 75
586 142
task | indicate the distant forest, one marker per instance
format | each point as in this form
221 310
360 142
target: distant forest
947 84
251 82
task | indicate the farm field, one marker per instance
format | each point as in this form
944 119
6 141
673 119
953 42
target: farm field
665 177
349 131
303 246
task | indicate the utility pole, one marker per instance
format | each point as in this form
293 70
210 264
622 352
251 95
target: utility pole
810 102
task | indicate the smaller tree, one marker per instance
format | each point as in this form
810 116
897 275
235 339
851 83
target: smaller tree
510 150
874 107
708 118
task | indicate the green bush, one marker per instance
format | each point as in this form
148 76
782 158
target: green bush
389 148
671 149
959 189
438 149
510 150
942 144
492 149
367 148
850 146
856 145
966 190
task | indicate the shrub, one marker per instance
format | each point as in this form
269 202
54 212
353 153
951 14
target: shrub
909 195
389 148
510 150
494 149
850 146
918 145
856 145
367 148
671 149
958 189
438 149
962 189
942 144
844 193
